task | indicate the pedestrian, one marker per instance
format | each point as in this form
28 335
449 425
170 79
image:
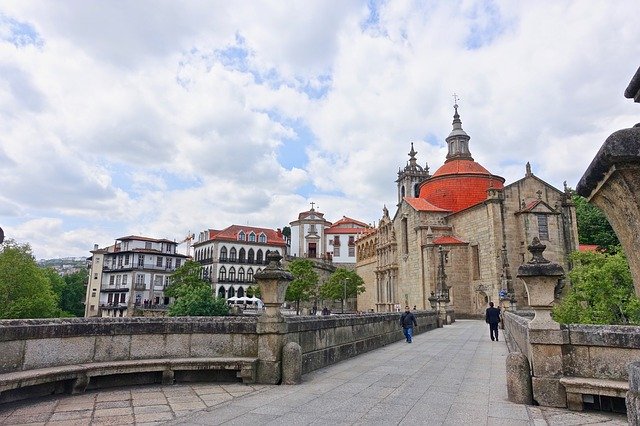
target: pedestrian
408 320
492 317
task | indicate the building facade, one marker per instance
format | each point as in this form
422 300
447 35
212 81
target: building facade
341 239
131 273
463 232
232 256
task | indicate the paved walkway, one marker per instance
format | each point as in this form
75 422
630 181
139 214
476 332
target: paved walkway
453 375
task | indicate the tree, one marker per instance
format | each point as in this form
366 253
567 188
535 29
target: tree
304 284
73 294
334 287
193 296
601 291
593 226
25 289
254 291
286 231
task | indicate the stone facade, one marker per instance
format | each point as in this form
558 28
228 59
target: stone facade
481 224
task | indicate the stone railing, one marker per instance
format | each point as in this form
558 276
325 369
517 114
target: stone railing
327 340
516 330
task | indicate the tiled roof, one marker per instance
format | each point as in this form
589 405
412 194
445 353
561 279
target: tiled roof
346 225
588 247
459 184
153 240
423 205
231 234
448 239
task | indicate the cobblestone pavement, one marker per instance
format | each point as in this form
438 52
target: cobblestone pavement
453 375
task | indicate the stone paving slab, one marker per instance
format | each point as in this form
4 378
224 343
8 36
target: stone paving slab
450 376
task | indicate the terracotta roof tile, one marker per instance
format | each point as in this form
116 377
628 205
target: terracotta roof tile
423 205
231 234
448 239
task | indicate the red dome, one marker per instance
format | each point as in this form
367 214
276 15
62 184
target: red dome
459 184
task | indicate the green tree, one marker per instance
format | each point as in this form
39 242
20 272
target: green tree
304 284
601 291
73 294
254 291
342 279
593 226
286 231
192 295
25 289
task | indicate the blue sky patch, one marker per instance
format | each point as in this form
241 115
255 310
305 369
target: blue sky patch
486 25
20 34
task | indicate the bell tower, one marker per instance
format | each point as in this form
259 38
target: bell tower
410 178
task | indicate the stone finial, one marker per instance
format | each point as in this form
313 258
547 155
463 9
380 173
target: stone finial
536 248
528 170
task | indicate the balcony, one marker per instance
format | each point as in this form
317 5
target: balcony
116 289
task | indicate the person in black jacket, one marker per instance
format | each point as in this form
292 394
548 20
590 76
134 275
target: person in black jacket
408 320
492 317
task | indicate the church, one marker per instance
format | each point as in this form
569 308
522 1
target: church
461 234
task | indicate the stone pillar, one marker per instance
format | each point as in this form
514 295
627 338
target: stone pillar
271 328
546 337
612 182
518 379
633 396
291 364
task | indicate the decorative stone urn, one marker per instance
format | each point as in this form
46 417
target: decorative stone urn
540 277
273 281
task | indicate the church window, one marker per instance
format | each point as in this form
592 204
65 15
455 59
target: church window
233 254
222 274
223 254
402 191
543 227
475 259
405 236
416 190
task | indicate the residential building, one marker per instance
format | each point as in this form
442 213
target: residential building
341 239
131 273
232 256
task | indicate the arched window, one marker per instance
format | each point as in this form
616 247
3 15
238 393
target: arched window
223 254
263 238
250 256
231 292
259 256
222 274
241 292
266 256
221 292
241 274
232 274
416 190
250 275
233 254
252 237
402 191
241 255
241 235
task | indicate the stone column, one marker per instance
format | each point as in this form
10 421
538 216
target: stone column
612 182
271 328
633 396
546 337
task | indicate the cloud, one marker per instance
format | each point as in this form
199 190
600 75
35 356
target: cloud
116 121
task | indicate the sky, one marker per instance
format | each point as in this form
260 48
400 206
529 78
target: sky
160 118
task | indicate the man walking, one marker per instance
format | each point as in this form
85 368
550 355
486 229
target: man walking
408 320
492 317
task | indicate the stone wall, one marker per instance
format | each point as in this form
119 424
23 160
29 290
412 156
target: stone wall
594 359
327 340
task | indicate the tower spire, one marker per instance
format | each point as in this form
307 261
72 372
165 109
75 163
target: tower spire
458 139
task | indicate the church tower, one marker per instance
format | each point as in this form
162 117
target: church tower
411 177
458 140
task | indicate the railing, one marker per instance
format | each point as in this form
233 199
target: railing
114 289
138 267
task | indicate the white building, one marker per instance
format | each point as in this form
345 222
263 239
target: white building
132 272
232 256
312 236
341 239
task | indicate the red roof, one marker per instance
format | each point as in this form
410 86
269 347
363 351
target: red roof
423 205
448 239
459 184
231 234
346 225
588 247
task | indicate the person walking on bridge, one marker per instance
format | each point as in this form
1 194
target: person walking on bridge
492 317
408 320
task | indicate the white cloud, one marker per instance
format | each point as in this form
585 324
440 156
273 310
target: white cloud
158 118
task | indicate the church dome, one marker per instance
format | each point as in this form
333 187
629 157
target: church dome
460 182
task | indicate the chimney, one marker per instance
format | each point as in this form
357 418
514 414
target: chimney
95 247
